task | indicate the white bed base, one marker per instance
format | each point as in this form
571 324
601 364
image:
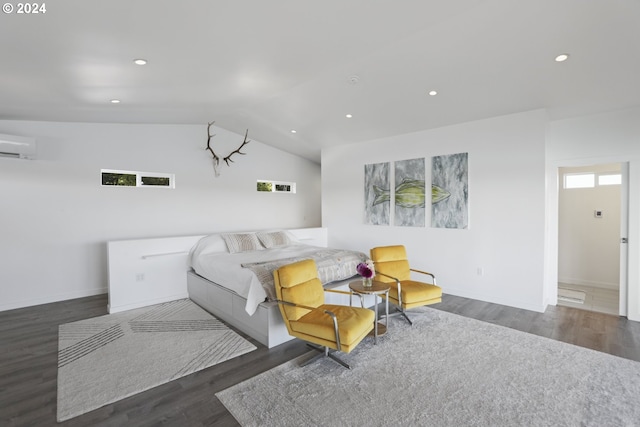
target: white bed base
266 324
144 272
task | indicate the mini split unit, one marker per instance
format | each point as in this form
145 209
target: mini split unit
17 147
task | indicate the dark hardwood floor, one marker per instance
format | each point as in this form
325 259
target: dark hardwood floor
29 345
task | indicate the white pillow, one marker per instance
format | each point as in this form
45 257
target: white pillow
242 242
212 243
272 239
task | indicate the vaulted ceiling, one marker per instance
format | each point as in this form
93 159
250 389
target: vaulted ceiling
281 65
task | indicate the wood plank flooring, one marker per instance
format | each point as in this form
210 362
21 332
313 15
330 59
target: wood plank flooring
596 299
29 345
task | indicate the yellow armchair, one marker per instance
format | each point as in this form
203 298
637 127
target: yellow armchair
392 266
332 327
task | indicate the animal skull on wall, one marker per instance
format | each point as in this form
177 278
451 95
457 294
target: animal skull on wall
227 159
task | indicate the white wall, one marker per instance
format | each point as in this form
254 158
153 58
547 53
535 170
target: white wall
506 198
603 138
56 217
589 246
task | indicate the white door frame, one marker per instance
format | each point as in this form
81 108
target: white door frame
624 236
624 226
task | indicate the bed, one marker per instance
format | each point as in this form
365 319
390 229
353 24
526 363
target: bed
231 276
245 262
149 271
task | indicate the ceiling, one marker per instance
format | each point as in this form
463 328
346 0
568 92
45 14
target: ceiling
277 65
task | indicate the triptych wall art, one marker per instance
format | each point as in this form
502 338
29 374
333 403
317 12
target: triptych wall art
377 193
409 193
449 192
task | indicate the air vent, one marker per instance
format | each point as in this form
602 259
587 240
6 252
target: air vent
17 147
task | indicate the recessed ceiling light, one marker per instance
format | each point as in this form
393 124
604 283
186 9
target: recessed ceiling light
140 61
348 116
115 101
293 131
433 93
353 80
563 57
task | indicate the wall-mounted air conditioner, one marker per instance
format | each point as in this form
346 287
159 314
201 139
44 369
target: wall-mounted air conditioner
18 147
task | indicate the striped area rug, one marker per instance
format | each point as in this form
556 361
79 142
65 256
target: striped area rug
108 358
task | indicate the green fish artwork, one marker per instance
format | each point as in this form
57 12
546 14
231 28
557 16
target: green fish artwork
410 194
438 194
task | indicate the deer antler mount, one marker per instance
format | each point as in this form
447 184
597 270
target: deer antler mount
227 159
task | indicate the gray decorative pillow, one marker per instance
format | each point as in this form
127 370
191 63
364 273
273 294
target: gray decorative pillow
274 238
242 242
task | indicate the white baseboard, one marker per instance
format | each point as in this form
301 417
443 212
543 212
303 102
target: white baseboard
593 284
145 303
525 305
47 299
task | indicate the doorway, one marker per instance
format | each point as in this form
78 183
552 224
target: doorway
591 213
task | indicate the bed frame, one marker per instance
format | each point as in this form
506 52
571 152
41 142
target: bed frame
151 271
265 325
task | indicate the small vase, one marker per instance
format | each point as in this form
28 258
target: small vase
366 282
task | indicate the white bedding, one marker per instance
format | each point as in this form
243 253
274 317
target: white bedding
209 260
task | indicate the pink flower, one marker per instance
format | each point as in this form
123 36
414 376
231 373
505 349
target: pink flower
365 269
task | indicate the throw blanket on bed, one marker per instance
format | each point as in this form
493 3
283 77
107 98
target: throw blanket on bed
333 264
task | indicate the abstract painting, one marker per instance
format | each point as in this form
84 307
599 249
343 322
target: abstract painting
450 191
377 199
409 193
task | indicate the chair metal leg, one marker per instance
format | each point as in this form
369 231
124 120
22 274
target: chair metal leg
406 317
401 312
324 352
337 359
314 358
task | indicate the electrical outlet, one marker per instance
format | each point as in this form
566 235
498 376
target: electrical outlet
480 271
140 277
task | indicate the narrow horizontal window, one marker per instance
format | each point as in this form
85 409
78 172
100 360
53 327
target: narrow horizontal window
610 179
579 180
158 181
137 179
283 187
276 186
265 186
119 178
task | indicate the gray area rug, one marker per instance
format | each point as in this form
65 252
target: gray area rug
446 370
108 358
